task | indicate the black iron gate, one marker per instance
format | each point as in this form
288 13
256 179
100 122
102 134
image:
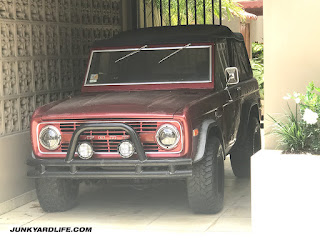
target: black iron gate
151 13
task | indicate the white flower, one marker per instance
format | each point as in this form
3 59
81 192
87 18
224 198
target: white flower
297 100
286 97
296 95
310 117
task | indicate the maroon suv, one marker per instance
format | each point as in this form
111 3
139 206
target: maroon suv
156 103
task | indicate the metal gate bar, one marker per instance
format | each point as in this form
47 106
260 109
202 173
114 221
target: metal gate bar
204 11
161 12
220 15
152 12
169 12
195 12
212 5
187 12
178 9
144 14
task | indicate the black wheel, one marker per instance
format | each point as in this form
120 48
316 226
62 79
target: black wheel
57 195
206 186
240 157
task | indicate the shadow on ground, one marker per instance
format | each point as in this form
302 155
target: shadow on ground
162 208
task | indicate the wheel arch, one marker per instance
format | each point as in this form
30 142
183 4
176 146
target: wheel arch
255 112
208 128
249 109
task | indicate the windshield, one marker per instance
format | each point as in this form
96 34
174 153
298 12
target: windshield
146 65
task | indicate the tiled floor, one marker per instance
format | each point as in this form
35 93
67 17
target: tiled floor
162 208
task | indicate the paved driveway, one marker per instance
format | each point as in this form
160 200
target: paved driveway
162 208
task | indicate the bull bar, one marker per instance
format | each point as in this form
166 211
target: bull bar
78 168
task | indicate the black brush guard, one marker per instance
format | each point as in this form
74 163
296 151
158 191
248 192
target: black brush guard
82 169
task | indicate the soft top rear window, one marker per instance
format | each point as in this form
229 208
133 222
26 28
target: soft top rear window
150 65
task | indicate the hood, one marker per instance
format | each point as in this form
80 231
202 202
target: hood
136 104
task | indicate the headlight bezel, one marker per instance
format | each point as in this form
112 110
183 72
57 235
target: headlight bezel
55 129
176 132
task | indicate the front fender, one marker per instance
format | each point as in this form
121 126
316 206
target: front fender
207 128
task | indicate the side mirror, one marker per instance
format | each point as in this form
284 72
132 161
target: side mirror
232 75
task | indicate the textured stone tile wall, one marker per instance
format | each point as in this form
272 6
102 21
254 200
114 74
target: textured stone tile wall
44 47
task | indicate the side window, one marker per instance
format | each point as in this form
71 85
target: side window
221 63
241 60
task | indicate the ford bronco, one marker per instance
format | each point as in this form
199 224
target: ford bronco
156 103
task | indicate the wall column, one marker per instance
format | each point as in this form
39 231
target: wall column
291 41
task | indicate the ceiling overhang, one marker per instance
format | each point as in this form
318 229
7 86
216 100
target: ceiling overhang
253 7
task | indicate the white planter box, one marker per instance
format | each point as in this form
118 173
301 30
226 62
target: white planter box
285 192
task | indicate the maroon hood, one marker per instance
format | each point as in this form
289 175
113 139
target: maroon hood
121 104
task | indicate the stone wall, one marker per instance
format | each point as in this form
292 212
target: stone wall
44 46
44 51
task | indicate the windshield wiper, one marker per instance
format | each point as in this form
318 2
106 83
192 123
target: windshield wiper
175 52
130 54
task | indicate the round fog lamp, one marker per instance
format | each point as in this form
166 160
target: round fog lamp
126 149
85 150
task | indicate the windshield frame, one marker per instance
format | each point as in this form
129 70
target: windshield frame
152 85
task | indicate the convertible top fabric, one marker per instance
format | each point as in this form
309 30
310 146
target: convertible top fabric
169 35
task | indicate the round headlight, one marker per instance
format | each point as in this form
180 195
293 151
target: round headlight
85 150
168 136
50 137
126 149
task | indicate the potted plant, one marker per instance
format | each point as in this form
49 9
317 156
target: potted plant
285 184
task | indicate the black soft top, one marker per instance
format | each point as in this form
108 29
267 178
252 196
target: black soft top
169 35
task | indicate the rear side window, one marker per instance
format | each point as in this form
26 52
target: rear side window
241 60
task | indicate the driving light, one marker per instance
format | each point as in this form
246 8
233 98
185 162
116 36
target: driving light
85 150
126 149
168 136
50 137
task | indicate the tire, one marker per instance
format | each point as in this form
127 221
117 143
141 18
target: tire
240 157
57 195
206 186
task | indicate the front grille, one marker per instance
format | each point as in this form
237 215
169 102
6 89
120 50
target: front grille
107 141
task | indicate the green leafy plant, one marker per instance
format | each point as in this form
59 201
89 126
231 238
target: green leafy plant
257 64
291 132
299 132
258 73
257 51
311 100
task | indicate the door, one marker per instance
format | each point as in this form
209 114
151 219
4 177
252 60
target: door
230 110
240 60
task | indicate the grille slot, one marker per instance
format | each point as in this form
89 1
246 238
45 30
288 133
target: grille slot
68 127
138 127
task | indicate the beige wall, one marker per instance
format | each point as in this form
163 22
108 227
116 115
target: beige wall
14 151
233 24
256 30
292 50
